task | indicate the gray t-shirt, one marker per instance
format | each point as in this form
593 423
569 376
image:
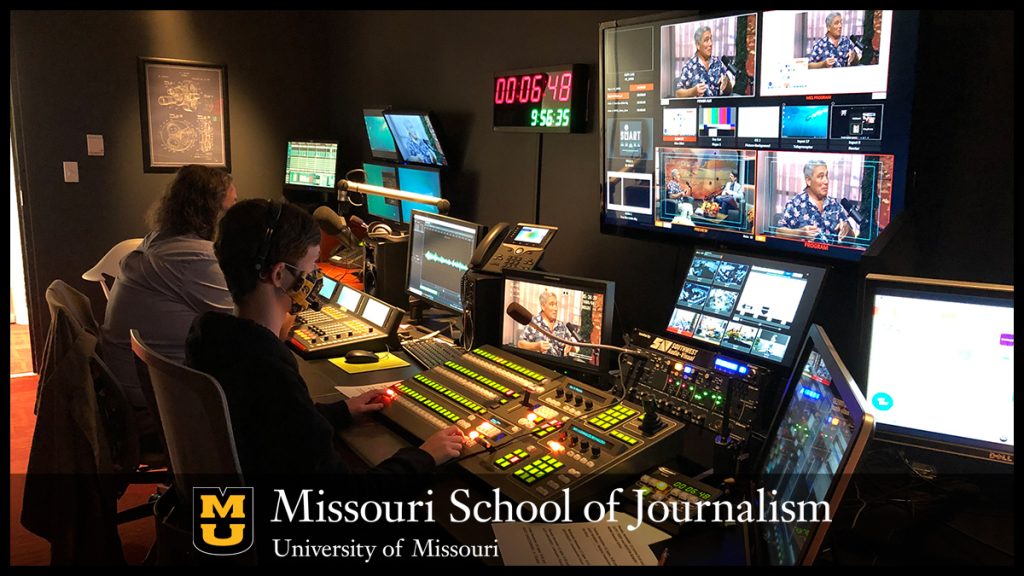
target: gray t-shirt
162 286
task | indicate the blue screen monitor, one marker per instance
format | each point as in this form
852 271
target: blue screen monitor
421 181
382 144
416 138
386 176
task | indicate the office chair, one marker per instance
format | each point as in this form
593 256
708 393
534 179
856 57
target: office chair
109 265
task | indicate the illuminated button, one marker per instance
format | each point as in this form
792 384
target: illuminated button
574 472
661 485
542 492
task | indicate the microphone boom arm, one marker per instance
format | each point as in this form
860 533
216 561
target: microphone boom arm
344 186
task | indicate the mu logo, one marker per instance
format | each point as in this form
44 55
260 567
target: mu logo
222 520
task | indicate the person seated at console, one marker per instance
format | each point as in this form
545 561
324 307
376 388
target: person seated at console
534 341
268 251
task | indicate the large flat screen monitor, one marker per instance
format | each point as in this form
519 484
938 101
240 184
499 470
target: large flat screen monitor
576 309
813 447
439 252
416 138
382 144
379 206
425 181
311 164
940 364
756 306
785 129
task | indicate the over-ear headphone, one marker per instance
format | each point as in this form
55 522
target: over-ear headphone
274 214
381 230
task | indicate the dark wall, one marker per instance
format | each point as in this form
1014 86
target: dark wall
74 74
311 74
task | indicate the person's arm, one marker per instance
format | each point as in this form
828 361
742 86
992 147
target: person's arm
787 224
853 59
725 85
826 63
694 92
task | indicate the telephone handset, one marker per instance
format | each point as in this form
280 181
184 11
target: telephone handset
518 247
486 248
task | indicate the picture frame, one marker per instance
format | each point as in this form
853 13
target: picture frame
184 114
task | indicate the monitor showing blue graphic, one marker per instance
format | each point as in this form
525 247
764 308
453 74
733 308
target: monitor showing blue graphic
439 252
379 206
804 121
940 364
421 181
382 144
416 138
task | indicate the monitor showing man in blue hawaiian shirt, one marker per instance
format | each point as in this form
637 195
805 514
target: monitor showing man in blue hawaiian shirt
833 50
813 214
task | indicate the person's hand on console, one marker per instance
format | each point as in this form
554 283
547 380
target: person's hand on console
444 445
366 402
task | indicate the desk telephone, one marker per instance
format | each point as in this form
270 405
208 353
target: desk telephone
518 247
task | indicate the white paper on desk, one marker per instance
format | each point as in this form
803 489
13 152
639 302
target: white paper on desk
353 391
577 544
645 534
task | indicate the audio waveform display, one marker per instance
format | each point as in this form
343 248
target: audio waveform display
434 257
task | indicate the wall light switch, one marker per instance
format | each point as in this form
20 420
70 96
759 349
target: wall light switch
71 171
94 144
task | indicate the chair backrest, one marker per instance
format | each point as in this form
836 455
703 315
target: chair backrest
197 425
110 263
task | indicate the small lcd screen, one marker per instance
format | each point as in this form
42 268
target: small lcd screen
530 235
416 139
312 164
376 312
349 298
382 144
327 290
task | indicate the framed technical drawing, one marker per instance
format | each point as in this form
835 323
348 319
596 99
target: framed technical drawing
184 114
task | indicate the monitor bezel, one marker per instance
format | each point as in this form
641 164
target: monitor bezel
310 187
374 153
911 437
433 129
419 168
850 394
408 260
366 197
605 287
792 350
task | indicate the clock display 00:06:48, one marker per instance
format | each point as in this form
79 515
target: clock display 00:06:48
549 117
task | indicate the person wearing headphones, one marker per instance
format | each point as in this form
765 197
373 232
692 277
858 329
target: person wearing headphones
268 252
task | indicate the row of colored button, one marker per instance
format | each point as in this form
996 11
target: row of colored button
538 469
444 412
453 395
551 427
482 379
611 416
624 437
510 365
510 458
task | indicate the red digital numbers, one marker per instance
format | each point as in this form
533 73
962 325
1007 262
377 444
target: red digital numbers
530 89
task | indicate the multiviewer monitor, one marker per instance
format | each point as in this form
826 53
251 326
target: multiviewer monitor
781 129
416 138
311 164
379 206
813 446
382 144
426 181
439 255
940 364
756 306
576 309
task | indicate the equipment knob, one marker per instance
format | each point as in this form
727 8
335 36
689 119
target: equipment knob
585 445
573 440
595 451
589 404
559 392
578 400
568 396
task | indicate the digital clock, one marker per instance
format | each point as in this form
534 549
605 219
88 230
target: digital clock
551 99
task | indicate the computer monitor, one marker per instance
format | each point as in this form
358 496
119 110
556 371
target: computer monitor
311 164
379 206
382 144
756 306
812 448
416 138
939 364
439 252
425 181
774 106
577 309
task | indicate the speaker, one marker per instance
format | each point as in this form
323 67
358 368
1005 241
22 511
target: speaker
482 304
384 268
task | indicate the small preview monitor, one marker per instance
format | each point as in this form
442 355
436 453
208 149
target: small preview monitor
327 289
416 138
439 252
425 181
311 164
940 364
755 306
382 144
813 447
575 309
349 298
379 206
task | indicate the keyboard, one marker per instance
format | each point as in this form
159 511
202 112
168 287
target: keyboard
432 351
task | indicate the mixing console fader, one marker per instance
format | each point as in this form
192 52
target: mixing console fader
537 431
349 320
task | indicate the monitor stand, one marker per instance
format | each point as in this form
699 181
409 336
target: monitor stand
430 319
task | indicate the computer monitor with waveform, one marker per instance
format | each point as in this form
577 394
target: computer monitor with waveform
439 253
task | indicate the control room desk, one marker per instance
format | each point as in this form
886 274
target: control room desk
373 442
